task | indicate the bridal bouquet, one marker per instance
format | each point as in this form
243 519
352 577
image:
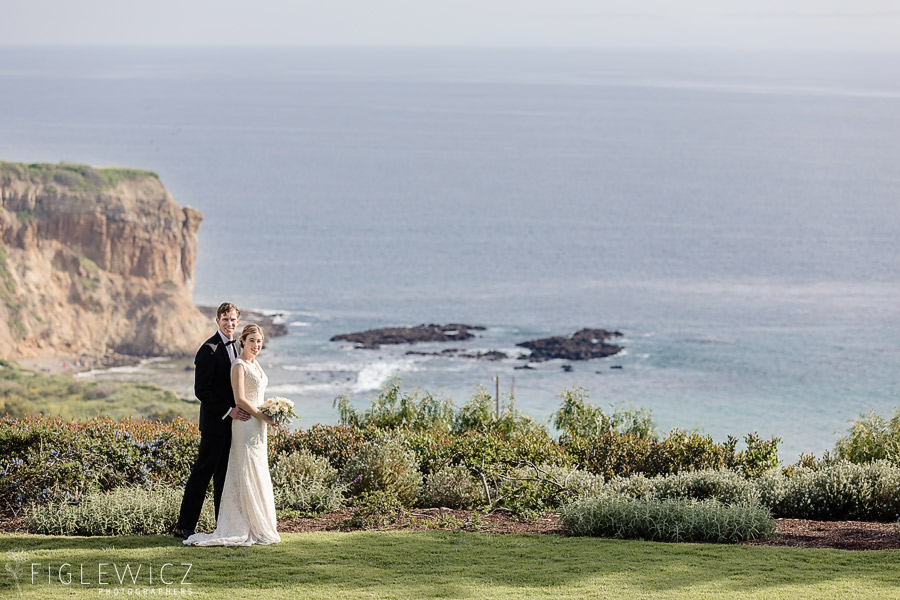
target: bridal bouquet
280 409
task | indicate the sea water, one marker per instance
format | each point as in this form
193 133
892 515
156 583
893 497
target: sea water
734 215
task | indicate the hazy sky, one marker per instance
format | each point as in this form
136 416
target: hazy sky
803 24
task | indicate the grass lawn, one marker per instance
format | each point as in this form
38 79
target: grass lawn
442 565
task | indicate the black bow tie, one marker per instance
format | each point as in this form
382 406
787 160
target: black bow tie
230 342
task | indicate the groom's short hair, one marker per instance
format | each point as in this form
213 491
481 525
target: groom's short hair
225 308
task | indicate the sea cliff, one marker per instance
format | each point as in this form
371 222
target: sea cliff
95 261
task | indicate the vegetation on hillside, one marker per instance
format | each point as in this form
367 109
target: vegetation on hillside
80 178
25 392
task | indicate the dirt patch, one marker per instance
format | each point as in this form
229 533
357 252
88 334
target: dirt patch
842 535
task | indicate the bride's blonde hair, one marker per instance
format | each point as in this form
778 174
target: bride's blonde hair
249 329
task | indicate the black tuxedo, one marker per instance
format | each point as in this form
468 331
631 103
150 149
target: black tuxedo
212 385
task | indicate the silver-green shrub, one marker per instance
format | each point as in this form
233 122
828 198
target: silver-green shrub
834 491
121 511
670 520
386 465
306 483
452 487
728 487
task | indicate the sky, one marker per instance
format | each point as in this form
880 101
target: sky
855 25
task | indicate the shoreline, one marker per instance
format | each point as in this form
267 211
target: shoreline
174 373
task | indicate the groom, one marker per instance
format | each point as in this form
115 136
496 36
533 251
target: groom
212 385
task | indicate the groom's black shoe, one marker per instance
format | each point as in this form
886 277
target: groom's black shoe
182 533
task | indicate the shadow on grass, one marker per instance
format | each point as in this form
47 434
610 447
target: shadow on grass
444 564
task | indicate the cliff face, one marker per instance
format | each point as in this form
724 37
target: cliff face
94 261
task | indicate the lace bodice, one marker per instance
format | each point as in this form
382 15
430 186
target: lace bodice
255 381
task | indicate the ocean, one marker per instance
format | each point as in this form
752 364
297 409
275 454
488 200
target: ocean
734 215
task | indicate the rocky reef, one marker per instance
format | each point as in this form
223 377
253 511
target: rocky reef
95 261
586 344
375 338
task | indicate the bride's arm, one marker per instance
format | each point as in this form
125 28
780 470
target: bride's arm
237 384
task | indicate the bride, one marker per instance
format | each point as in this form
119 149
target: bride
247 509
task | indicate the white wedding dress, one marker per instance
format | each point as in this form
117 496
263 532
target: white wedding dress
247 507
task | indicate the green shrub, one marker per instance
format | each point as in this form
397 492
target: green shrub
306 483
529 490
385 465
612 454
336 443
871 437
51 459
479 414
837 491
578 418
476 449
452 487
376 509
666 520
123 511
392 409
722 485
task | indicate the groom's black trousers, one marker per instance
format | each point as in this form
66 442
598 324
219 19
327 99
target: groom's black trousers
211 463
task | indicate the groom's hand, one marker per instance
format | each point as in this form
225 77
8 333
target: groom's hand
239 414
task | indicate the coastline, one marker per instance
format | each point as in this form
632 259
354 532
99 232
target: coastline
174 373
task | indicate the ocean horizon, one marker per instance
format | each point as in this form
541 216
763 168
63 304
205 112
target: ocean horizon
734 214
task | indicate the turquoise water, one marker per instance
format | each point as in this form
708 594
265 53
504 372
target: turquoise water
734 215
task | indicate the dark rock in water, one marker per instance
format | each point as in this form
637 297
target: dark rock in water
616 367
270 328
567 368
492 355
583 345
524 368
374 338
444 353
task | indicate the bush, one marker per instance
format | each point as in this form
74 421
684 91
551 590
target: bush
385 465
51 459
724 486
123 511
666 520
612 454
529 490
837 491
336 443
306 483
392 409
577 418
479 414
376 509
451 487
871 437
477 449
